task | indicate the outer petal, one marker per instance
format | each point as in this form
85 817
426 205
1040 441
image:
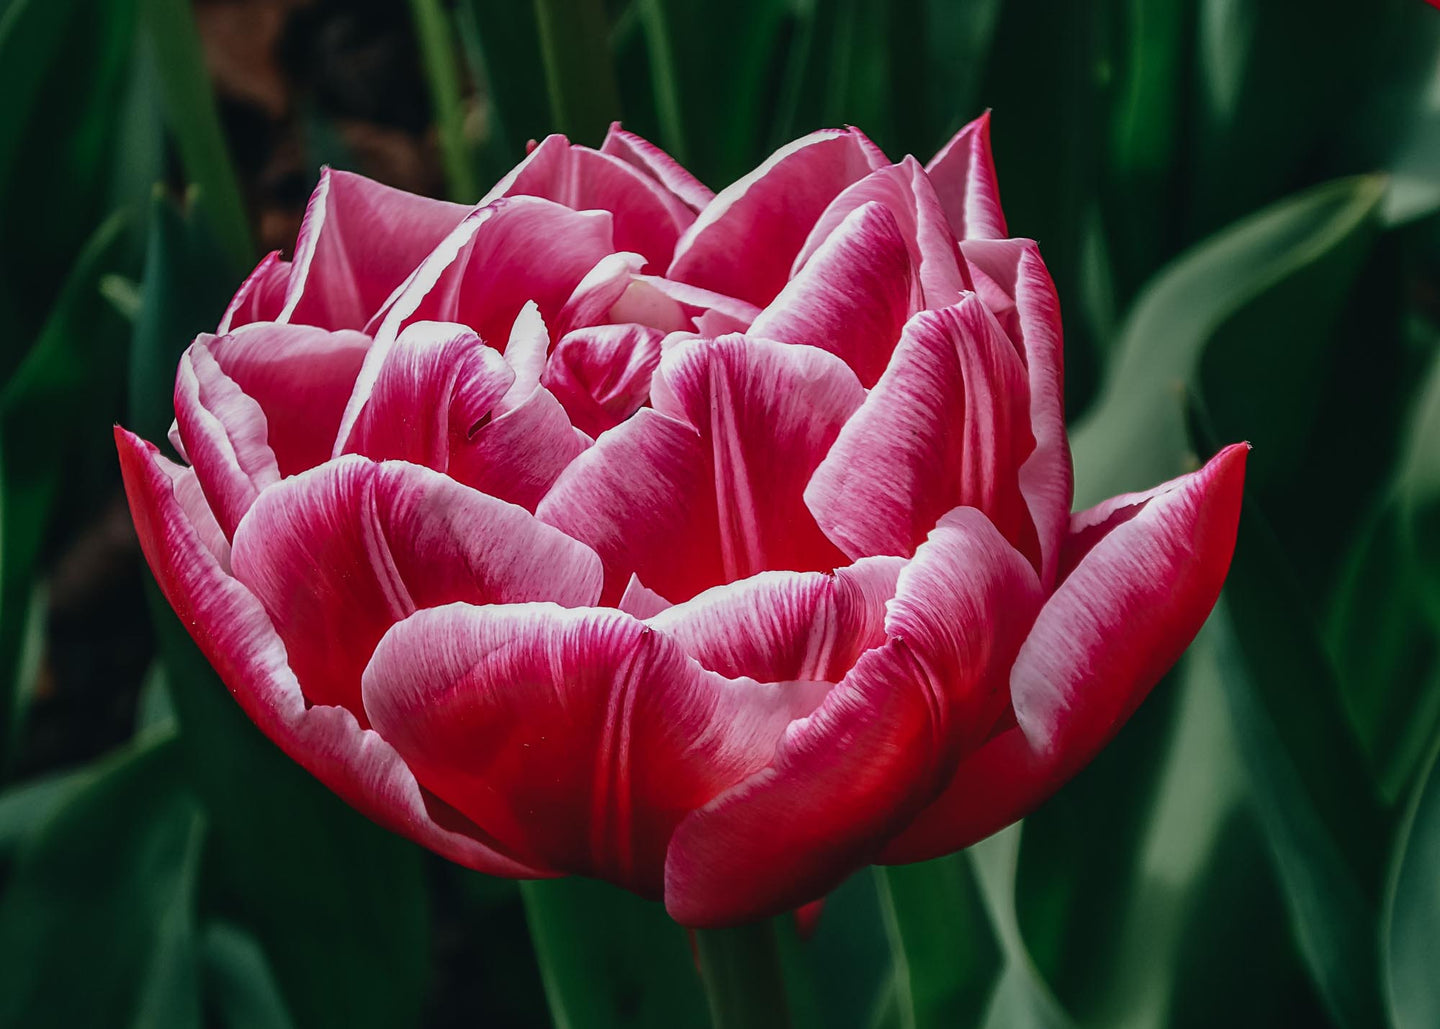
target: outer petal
947 425
261 296
648 217
852 297
908 195
1147 570
964 176
521 454
660 166
602 374
878 747
301 377
224 432
786 626
358 242
744 241
237 637
339 554
1014 283
577 737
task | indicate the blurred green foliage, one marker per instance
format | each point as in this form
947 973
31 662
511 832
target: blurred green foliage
1238 200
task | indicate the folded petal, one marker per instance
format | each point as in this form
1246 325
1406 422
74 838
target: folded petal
238 639
964 176
745 240
648 217
261 296
359 241
602 374
907 194
786 626
660 166
598 292
576 737
679 307
946 426
519 456
852 297
224 433
301 377
339 554
1012 280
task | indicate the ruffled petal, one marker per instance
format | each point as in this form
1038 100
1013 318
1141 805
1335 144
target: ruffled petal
261 297
745 240
339 554
786 626
1014 283
852 297
964 176
907 194
660 166
602 374
301 377
224 433
238 639
946 426
577 738
359 241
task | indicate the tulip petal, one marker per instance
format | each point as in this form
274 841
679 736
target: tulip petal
963 173
908 195
660 166
358 243
598 292
301 377
745 240
261 297
339 554
852 297
602 374
641 601
224 432
1012 280
238 639
518 456
946 426
786 626
648 217
679 307
577 738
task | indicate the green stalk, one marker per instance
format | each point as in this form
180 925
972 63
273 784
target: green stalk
662 69
943 946
743 981
436 37
574 42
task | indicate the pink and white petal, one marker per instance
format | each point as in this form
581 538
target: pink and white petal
301 377
905 191
660 166
577 738
648 217
672 306
340 553
641 601
786 626
526 352
964 176
767 413
745 240
1010 273
238 639
643 498
518 456
602 374
260 297
358 242
853 297
224 432
946 426
437 386
196 509
1132 604
598 292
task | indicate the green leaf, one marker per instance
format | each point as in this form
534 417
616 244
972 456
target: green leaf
239 981
26 806
608 958
501 41
579 74
97 920
946 957
436 36
1279 275
1411 923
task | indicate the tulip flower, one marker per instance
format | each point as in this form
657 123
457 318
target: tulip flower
713 545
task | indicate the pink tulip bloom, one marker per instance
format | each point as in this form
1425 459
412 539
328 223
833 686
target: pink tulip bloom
713 545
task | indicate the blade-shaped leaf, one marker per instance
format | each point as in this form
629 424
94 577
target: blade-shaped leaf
1412 908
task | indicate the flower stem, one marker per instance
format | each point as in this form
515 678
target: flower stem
741 969
574 41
